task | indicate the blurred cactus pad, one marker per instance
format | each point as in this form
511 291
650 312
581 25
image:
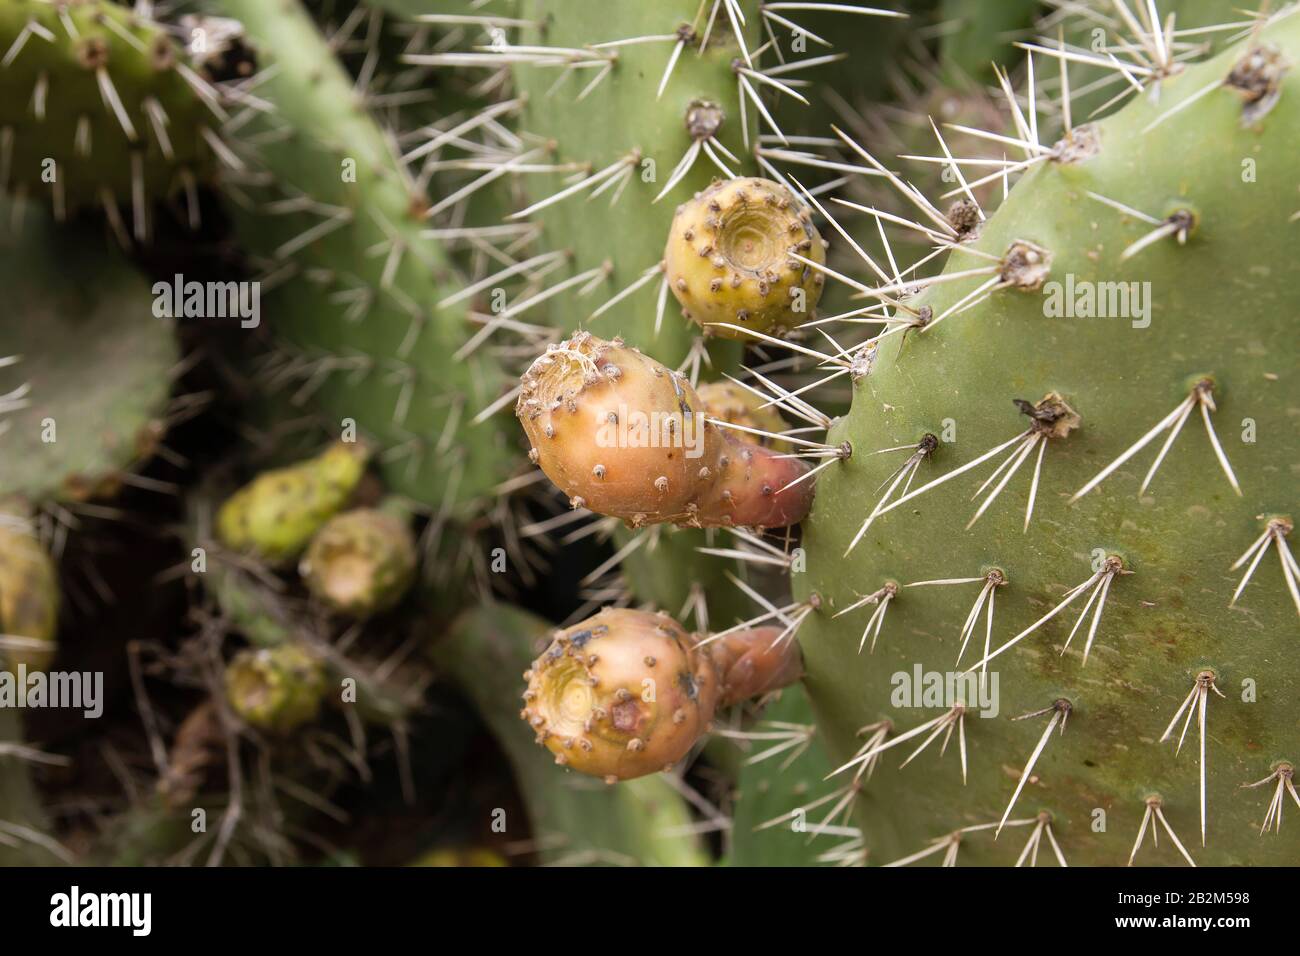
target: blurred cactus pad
649 433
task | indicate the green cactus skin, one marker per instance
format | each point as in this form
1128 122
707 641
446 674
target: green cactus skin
771 788
88 414
575 819
275 515
978 35
277 689
64 63
23 838
621 117
360 562
373 318
1224 306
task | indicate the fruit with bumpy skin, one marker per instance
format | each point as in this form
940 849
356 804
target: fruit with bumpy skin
277 689
360 562
274 516
29 594
628 693
646 820
622 435
730 258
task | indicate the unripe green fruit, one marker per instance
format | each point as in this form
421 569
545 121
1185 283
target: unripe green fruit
360 562
471 856
29 597
627 693
622 435
731 253
276 514
276 688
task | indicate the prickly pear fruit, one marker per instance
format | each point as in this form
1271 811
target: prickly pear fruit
622 435
29 597
733 403
275 515
731 258
277 689
627 693
360 562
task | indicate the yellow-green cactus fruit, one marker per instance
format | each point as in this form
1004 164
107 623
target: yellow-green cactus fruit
29 597
275 515
734 259
361 562
277 689
465 856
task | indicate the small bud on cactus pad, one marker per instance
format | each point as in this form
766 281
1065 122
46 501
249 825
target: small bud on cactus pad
29 597
276 514
731 258
622 435
628 693
275 688
361 562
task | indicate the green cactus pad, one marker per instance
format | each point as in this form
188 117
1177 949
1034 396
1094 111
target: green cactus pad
774 819
1222 307
358 308
621 118
87 414
99 107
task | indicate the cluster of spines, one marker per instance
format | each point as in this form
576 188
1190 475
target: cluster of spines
104 108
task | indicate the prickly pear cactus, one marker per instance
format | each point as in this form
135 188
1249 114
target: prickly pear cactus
1135 467
75 421
382 339
102 108
917 378
648 125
